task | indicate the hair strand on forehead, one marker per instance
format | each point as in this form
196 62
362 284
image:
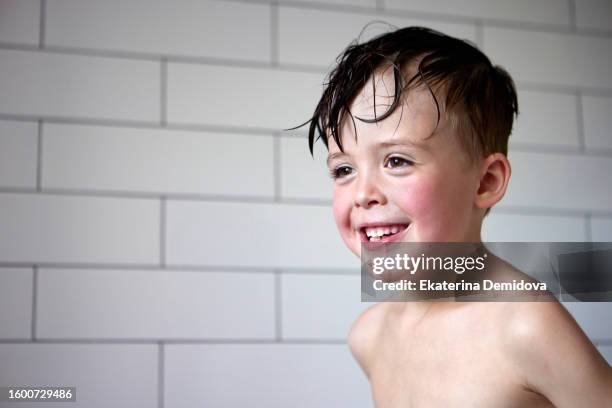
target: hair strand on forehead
478 98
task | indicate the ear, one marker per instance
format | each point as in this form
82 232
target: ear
494 178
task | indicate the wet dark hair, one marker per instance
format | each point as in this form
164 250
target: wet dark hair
479 98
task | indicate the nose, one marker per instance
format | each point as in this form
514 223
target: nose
368 192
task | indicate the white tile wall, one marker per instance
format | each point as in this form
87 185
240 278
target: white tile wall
551 58
304 176
254 234
597 122
594 14
503 227
594 318
15 303
320 306
546 118
18 150
358 3
19 21
300 44
105 375
601 229
606 351
115 121
123 26
233 96
538 11
44 84
154 160
558 181
275 376
45 228
153 304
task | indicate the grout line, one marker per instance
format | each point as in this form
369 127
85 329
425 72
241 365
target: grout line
160 375
564 89
274 34
39 148
480 35
199 197
163 93
566 150
588 231
286 67
580 123
278 279
240 130
276 167
572 15
563 28
527 210
170 341
241 269
170 58
162 232
34 301
42 24
211 198
226 341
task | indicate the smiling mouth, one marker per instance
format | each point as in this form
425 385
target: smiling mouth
382 233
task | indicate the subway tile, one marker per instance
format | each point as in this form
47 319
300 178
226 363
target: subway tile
254 234
302 175
601 229
501 227
45 84
593 318
539 11
597 122
270 375
50 228
546 119
558 181
105 375
15 303
594 14
606 352
356 3
233 96
551 58
320 306
300 44
19 21
18 151
115 304
155 160
184 27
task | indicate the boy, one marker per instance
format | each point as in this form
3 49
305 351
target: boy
422 159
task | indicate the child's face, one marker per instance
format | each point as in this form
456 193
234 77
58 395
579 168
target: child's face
397 179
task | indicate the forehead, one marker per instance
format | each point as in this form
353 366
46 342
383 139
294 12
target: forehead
413 121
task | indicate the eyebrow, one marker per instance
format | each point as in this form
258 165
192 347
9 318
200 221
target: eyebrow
419 146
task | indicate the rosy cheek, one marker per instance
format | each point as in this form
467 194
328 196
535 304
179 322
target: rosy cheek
341 207
425 202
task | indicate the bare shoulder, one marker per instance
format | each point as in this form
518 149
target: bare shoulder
553 355
529 323
364 333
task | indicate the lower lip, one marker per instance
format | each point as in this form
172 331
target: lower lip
371 245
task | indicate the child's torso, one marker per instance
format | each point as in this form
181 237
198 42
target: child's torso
456 361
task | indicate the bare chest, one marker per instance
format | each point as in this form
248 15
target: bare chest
442 366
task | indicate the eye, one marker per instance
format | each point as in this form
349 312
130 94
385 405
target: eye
396 162
340 172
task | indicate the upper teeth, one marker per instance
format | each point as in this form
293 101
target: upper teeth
380 231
